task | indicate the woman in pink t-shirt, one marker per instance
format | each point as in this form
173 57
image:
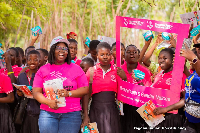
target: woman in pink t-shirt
54 119
6 96
163 80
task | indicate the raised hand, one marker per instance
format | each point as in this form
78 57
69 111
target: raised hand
159 38
148 42
187 53
172 41
34 38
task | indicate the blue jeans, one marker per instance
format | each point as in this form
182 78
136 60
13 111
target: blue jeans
50 122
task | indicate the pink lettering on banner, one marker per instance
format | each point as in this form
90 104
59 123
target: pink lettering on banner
137 95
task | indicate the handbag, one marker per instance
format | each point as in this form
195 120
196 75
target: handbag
192 107
20 110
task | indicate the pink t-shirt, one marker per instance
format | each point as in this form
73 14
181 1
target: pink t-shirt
77 61
103 81
163 80
147 78
5 84
73 77
15 68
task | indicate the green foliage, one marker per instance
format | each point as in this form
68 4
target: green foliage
11 13
9 20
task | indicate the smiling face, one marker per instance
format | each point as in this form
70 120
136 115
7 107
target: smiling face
61 52
73 49
165 61
104 56
33 61
131 55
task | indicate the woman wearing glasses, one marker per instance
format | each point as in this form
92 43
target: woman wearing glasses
52 118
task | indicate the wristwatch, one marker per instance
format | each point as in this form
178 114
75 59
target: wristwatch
194 61
69 93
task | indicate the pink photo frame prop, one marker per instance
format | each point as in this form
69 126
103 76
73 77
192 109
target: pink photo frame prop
137 95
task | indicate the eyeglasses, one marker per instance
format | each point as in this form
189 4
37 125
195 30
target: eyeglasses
62 48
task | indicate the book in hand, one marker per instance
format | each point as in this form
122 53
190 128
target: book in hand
25 90
51 88
146 112
91 128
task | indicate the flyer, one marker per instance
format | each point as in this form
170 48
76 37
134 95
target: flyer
51 89
146 112
25 90
191 17
109 40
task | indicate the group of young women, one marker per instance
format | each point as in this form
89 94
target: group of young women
93 79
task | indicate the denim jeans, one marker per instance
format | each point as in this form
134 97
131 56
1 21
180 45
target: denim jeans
50 122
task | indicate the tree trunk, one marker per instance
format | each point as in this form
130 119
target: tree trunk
19 26
26 37
31 24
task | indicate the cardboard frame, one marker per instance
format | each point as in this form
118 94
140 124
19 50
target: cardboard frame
173 95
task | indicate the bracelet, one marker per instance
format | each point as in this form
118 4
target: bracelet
69 93
9 73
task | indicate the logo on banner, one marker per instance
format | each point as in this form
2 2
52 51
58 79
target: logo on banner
139 23
126 23
150 24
